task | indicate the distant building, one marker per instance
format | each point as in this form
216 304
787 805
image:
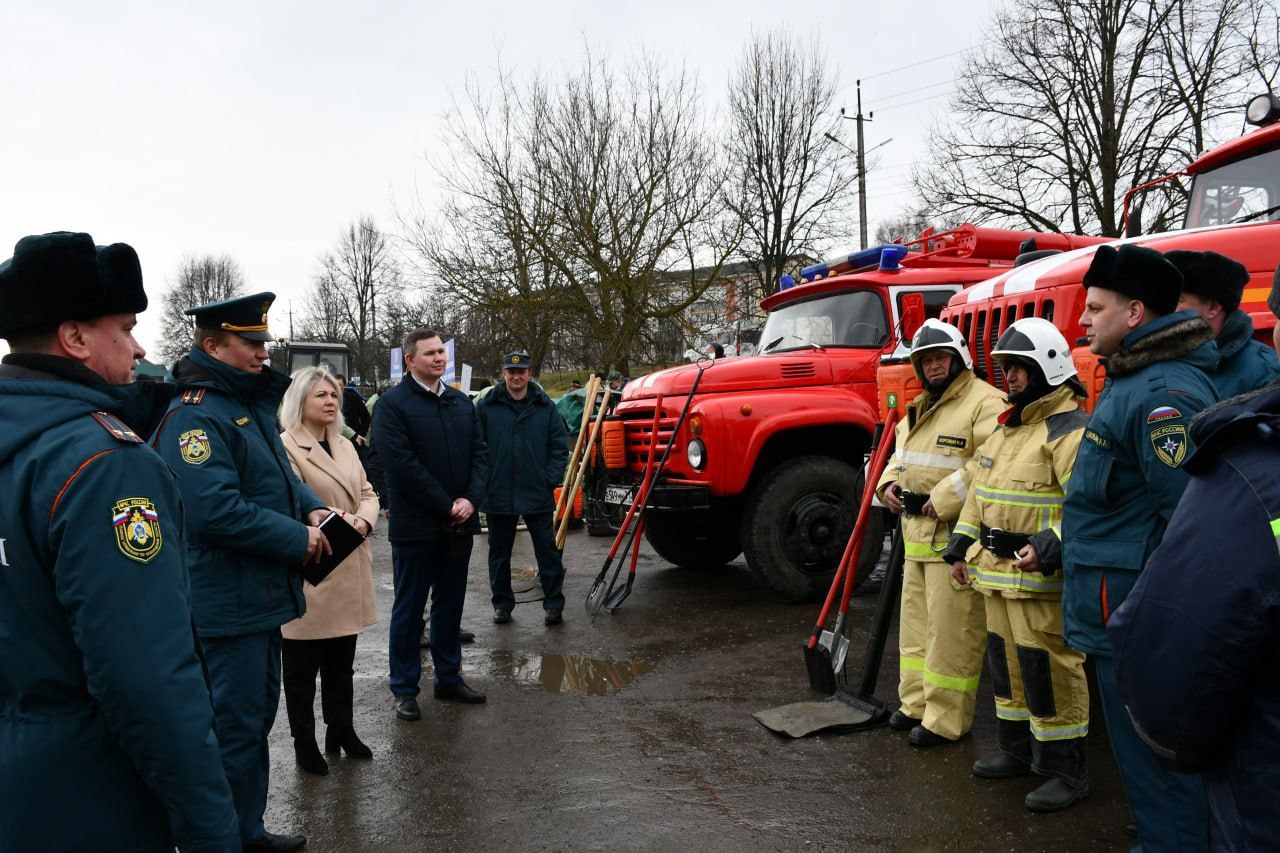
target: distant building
149 372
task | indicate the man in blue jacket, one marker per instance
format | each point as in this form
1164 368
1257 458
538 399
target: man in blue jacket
1127 480
246 534
429 438
1197 642
106 734
1212 285
528 450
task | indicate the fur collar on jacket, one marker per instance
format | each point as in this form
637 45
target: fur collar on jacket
1173 341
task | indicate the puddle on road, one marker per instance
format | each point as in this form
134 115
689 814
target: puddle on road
563 673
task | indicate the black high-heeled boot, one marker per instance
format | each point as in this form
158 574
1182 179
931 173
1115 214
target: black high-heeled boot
308 756
343 738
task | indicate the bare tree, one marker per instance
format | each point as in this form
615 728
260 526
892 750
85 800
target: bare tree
589 199
1074 101
791 182
343 301
198 281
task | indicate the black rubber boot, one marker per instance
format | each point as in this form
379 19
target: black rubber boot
1001 766
900 722
1056 795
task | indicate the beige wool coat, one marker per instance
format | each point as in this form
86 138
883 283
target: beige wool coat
344 602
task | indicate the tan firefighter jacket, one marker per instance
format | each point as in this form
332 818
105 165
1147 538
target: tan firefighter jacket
1017 485
933 445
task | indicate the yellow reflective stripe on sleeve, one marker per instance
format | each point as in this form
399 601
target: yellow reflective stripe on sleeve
1066 478
966 529
932 460
951 682
1045 733
909 664
1057 530
1275 527
1016 714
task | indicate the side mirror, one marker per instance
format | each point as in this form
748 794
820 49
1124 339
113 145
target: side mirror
1133 222
912 315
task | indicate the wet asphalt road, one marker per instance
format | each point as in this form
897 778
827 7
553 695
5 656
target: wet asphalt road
672 759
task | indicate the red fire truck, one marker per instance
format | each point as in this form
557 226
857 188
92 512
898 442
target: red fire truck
1234 209
770 460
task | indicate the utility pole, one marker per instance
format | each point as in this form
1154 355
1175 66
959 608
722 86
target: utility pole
290 319
862 173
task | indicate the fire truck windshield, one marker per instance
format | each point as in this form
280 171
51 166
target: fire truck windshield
1244 191
850 319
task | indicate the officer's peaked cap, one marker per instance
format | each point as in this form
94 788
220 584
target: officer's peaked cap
1138 273
63 276
244 315
1210 275
517 359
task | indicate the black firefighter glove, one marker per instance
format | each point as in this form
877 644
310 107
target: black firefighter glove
957 547
1049 549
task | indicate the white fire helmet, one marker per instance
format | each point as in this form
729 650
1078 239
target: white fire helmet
1039 341
935 334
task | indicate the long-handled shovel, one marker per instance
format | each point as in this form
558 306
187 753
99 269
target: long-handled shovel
570 471
570 494
826 650
600 588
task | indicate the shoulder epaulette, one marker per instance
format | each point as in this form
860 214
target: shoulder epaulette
193 397
118 429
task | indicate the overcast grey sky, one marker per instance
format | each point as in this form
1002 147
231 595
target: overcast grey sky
261 129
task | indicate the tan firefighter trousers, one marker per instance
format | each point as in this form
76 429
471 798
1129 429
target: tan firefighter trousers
942 635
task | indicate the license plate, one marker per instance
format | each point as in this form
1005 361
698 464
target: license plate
618 495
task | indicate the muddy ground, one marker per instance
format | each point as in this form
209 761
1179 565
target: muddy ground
635 732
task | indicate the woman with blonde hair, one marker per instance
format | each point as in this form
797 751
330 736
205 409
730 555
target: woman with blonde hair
324 640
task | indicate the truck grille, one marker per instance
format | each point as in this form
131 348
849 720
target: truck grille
639 432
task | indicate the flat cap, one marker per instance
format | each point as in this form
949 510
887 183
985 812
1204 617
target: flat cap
63 276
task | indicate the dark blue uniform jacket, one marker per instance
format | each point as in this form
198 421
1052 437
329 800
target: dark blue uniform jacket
434 453
528 450
106 728
1244 364
1197 644
1128 474
245 507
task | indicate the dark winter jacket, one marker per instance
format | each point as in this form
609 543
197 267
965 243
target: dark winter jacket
354 411
433 453
1128 475
246 509
1197 643
1244 364
528 450
106 728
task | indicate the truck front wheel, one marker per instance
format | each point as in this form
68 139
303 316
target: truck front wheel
798 521
693 540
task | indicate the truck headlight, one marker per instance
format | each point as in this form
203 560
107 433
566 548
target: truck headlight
696 452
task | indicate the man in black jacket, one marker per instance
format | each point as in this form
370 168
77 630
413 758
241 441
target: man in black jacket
429 438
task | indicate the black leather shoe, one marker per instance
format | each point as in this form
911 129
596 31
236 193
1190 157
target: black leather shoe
309 758
900 722
1001 766
465 636
554 616
1055 795
459 693
343 739
407 708
923 738
501 617
272 843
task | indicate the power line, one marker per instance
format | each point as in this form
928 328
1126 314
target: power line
916 101
916 64
917 89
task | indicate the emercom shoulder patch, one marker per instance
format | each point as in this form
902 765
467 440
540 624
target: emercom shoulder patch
194 447
137 527
953 441
1170 444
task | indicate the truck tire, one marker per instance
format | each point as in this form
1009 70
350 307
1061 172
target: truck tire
693 540
797 522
